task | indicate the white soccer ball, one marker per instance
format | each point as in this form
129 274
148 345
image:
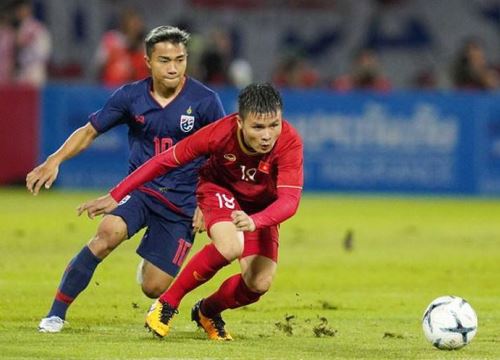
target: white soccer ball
449 323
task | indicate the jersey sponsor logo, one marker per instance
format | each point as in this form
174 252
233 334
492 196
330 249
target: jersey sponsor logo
230 157
140 119
124 200
187 123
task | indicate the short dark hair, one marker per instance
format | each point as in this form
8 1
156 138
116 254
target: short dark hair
170 34
259 99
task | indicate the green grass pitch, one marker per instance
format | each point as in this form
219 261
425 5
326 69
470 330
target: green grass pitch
336 296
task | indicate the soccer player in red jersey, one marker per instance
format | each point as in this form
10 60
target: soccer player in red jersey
250 184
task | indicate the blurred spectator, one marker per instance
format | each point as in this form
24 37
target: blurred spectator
216 58
366 74
7 39
425 80
220 64
120 56
471 70
294 72
32 46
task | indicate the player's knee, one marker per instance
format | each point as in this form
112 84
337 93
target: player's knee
153 287
260 283
230 250
227 241
233 253
152 291
99 246
110 233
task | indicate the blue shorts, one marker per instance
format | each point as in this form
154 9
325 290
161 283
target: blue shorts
169 236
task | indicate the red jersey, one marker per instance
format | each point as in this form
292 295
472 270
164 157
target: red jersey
256 180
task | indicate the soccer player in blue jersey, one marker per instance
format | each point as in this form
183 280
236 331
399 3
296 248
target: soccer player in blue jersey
159 111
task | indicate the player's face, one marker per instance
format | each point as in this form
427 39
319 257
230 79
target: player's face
167 64
260 131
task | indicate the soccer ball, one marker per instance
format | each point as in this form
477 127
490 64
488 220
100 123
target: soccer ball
449 322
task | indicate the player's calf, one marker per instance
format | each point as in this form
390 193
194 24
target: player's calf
153 280
152 291
112 231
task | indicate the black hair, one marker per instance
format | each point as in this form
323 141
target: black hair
13 4
170 34
259 99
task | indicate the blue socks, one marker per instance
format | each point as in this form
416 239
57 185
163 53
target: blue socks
75 279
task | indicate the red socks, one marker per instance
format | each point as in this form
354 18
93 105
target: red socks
233 293
201 268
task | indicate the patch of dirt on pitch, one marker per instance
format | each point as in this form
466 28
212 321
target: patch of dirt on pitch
325 305
287 325
322 329
390 335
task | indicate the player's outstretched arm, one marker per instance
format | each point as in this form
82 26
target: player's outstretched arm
183 152
102 205
46 173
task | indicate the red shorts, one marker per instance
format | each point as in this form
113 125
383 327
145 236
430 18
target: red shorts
217 204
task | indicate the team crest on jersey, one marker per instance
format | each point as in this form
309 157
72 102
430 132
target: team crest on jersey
187 123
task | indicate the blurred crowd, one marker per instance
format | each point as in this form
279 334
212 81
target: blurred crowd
215 58
25 45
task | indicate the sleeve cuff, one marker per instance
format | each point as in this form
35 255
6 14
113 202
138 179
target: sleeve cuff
115 194
255 221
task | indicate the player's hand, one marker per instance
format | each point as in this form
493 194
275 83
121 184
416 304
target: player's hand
242 221
198 221
102 205
44 174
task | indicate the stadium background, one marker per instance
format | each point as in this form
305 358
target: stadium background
363 257
411 35
407 140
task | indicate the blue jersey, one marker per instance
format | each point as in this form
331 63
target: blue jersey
153 129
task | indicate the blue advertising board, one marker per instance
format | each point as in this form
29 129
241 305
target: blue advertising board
66 108
402 141
487 155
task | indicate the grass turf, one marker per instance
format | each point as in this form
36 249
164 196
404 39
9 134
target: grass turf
355 274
